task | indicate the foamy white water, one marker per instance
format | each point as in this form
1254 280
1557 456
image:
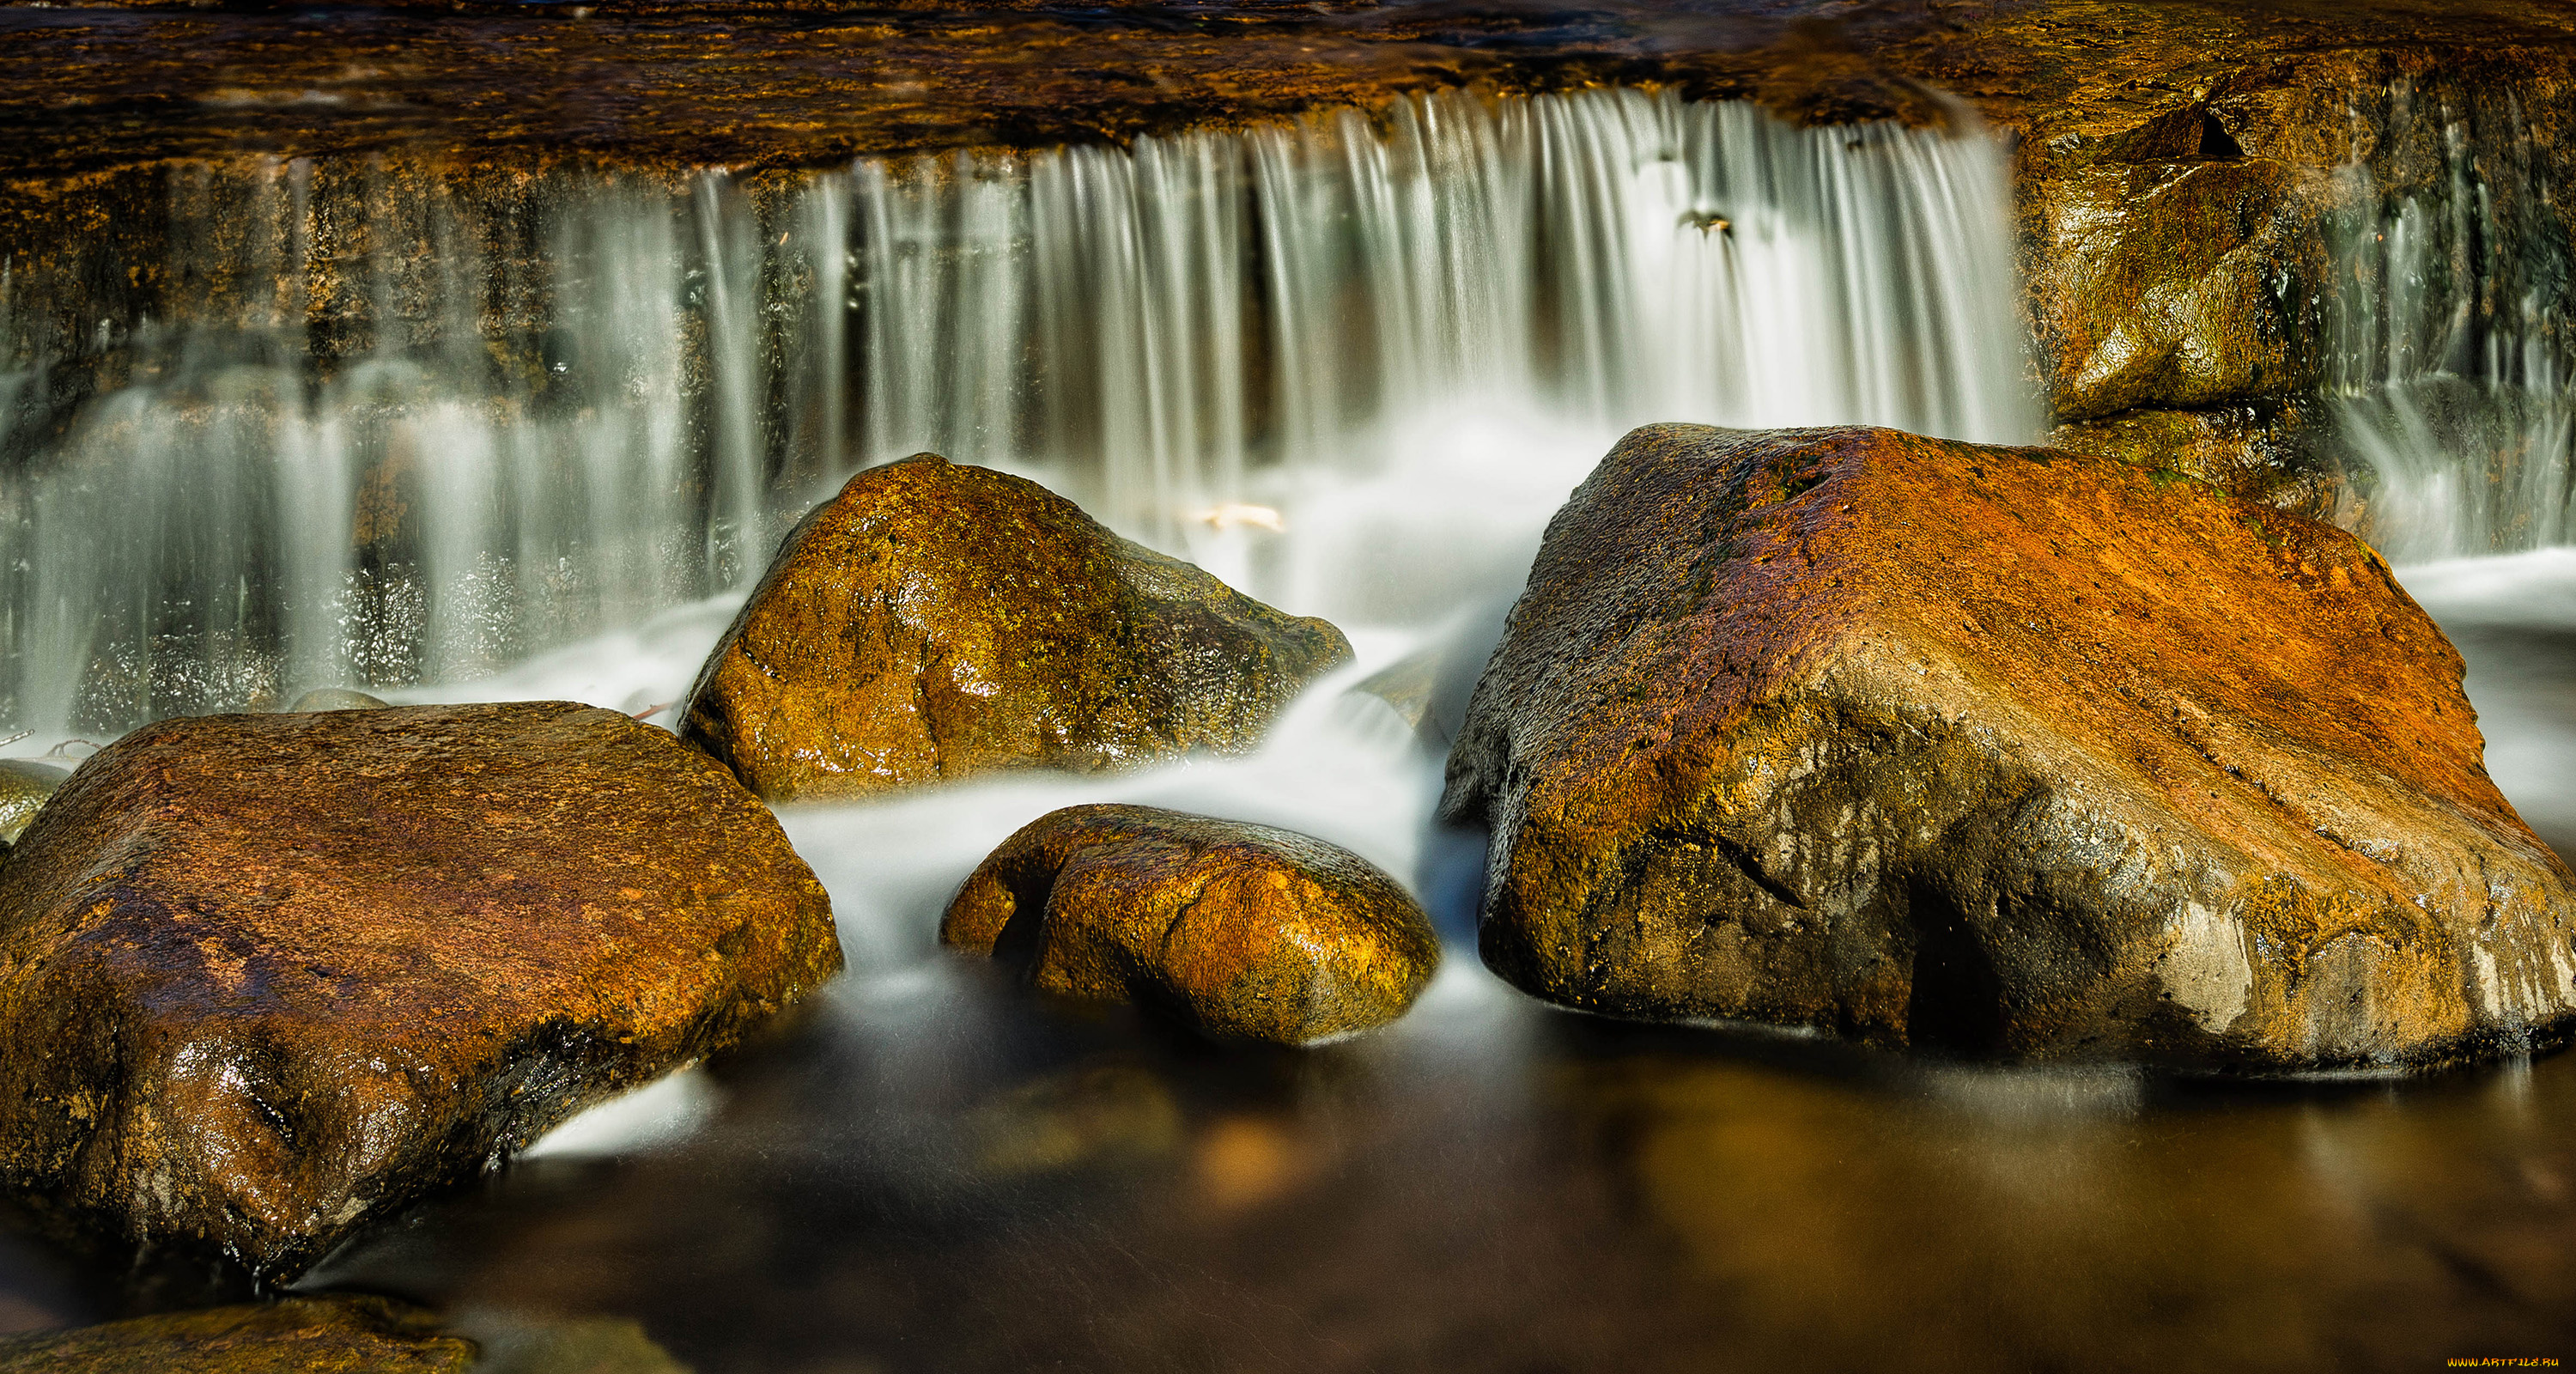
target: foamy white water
2450 376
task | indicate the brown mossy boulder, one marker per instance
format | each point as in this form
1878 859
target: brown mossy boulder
1998 752
1245 932
334 1335
936 620
265 978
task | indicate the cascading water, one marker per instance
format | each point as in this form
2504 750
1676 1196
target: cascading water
2451 348
1266 349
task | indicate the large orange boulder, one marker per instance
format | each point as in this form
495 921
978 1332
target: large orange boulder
1244 932
265 978
1996 752
936 620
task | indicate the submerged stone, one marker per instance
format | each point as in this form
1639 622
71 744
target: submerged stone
936 621
1243 931
1996 752
334 1335
25 786
265 978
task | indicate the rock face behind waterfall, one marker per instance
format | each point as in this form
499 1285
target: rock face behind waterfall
937 620
1244 931
1997 752
263 978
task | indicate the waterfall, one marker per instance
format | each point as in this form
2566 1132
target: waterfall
1211 339
2450 349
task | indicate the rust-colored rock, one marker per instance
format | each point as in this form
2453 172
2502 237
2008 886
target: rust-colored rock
264 978
937 620
1244 931
1998 752
337 1335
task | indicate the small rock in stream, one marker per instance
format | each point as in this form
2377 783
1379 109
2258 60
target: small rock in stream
939 620
1243 931
265 978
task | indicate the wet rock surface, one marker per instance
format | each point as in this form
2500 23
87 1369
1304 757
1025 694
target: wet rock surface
936 621
266 978
25 785
1245 932
351 1335
337 699
1996 752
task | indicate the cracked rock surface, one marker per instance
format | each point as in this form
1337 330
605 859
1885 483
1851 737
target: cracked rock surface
1999 753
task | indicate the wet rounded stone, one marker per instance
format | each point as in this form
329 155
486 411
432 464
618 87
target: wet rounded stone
1245 932
334 1335
936 621
2008 753
264 978
25 785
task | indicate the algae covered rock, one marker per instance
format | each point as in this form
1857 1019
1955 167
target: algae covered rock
25 786
935 621
1244 931
2000 752
264 978
335 1335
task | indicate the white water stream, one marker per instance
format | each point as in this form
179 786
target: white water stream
1408 337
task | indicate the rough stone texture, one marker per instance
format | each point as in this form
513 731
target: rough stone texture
25 785
1244 931
337 1335
1997 752
265 978
2275 451
337 699
938 620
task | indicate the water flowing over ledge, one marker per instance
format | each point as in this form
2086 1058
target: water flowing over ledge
2450 346
607 401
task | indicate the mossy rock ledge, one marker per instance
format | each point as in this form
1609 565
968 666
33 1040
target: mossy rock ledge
935 621
335 1335
1998 753
1242 931
266 978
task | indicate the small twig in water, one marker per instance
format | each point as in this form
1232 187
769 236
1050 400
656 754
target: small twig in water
57 751
651 711
13 739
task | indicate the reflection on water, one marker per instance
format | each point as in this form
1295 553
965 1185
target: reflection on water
938 1173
